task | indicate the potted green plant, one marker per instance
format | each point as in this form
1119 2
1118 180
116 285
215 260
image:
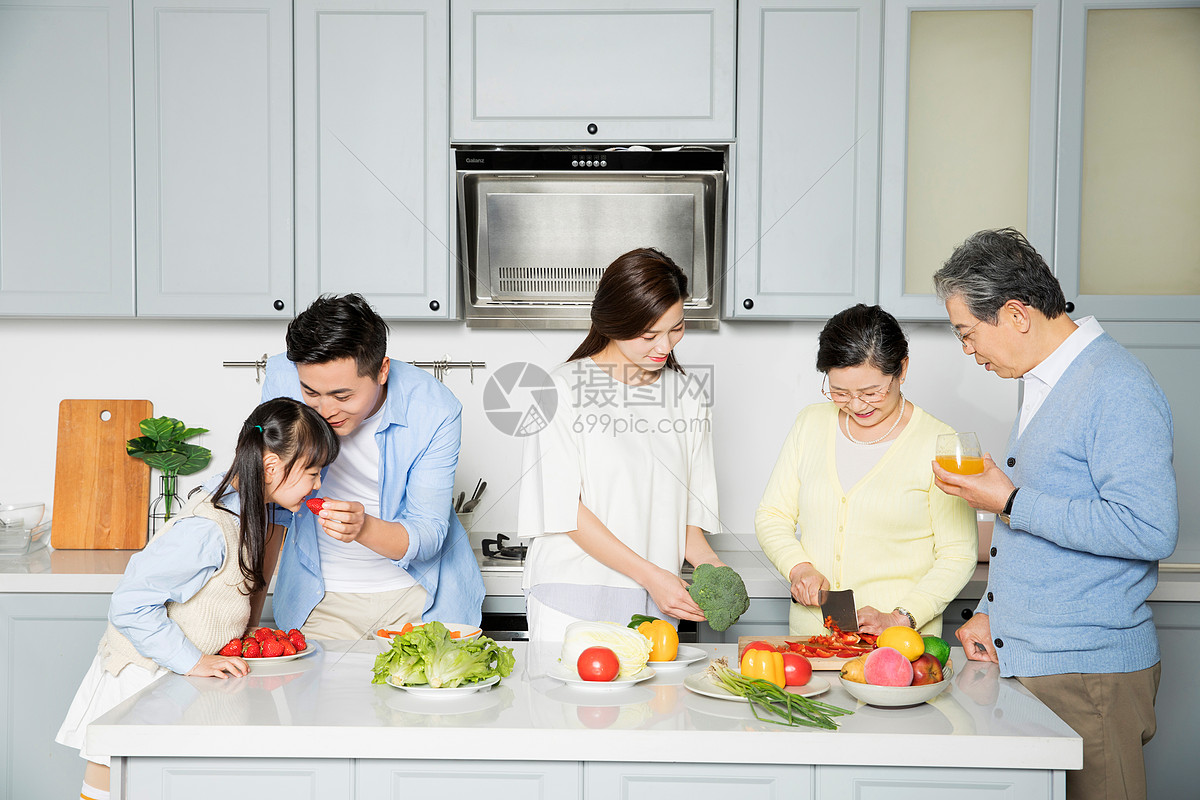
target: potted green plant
163 445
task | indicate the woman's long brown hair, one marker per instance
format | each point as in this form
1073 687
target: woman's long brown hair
634 292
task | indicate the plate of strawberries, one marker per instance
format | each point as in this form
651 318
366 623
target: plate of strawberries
270 645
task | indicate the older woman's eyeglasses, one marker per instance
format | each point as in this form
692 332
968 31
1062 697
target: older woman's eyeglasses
872 396
962 335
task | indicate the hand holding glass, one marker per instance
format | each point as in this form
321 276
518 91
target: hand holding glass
959 453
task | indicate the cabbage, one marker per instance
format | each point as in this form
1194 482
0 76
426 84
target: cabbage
631 647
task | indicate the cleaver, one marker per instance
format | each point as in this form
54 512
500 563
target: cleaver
840 606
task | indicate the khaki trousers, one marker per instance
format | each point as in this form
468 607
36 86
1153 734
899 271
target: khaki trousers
1114 713
357 615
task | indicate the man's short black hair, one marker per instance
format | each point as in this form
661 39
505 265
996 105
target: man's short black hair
334 328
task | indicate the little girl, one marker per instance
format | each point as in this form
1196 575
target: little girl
186 595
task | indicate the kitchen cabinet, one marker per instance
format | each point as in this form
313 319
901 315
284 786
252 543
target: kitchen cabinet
807 158
600 71
374 206
1127 245
496 780
66 159
49 642
969 124
213 125
1170 771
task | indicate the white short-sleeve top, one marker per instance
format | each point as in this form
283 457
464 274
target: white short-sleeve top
639 457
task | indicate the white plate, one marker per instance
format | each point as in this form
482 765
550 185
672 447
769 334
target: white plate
702 683
424 690
686 655
313 647
465 632
561 672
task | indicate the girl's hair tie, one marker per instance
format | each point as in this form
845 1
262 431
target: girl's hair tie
258 428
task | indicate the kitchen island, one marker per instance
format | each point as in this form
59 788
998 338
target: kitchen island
318 727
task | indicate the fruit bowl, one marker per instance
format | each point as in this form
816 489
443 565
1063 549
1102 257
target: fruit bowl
897 696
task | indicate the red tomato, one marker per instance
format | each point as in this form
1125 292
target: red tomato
761 646
598 664
796 669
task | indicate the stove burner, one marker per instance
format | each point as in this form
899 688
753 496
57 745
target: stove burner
495 548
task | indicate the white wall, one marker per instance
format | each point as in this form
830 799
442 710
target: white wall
763 374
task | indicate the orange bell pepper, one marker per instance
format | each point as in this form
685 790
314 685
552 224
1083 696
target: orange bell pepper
764 664
664 639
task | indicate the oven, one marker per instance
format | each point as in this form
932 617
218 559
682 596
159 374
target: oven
539 224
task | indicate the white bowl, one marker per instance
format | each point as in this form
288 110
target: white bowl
465 632
22 515
897 696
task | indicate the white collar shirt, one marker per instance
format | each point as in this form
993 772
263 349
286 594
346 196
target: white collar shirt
1038 382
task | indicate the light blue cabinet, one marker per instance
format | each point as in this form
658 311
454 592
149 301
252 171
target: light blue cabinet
597 71
1170 770
501 780
969 123
201 779
373 171
213 126
66 158
49 642
807 163
1127 247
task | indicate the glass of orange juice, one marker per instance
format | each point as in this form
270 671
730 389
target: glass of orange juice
959 453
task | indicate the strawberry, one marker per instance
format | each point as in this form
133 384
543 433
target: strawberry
251 649
272 649
279 634
297 639
262 634
314 504
289 649
234 648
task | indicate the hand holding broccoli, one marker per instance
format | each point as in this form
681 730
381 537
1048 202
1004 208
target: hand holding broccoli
721 594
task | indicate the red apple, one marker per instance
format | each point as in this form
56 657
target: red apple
797 671
926 669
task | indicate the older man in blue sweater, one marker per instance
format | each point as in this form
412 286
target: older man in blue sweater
1087 506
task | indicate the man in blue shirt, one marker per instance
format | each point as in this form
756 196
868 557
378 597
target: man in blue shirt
1087 506
386 547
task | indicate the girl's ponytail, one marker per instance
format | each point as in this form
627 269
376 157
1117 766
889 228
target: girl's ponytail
300 438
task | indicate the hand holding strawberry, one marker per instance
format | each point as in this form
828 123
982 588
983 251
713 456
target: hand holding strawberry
314 504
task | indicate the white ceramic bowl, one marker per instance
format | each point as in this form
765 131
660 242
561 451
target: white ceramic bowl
465 632
897 696
22 515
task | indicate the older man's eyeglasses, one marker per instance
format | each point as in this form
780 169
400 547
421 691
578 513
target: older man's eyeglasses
873 396
962 335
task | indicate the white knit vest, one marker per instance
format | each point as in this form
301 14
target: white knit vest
211 617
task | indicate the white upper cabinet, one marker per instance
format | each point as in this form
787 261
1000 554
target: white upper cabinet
969 110
1128 245
593 71
66 158
807 158
373 169
213 125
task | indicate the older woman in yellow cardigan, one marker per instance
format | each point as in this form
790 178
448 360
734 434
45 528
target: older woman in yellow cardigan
851 502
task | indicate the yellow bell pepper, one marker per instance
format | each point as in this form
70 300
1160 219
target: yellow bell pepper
765 664
664 639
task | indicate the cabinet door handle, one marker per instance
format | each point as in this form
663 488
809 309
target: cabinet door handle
592 128
434 305
967 613
278 304
747 304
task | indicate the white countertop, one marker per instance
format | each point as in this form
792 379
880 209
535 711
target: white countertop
325 706
98 571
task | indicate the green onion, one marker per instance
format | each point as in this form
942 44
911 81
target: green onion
791 709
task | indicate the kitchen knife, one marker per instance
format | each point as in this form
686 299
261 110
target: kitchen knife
840 606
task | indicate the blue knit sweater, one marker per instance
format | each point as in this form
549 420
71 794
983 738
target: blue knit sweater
1072 571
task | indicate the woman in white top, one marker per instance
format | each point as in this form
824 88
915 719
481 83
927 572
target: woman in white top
619 487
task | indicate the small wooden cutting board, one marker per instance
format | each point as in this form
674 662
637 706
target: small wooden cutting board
777 641
101 494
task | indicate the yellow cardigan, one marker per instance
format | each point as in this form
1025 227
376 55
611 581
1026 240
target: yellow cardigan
894 538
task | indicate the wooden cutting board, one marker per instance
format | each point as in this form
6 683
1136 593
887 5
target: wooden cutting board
776 641
101 494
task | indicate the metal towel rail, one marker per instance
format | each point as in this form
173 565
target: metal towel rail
440 367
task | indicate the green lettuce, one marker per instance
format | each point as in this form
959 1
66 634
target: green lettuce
428 656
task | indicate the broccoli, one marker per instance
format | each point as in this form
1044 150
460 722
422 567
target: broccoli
721 594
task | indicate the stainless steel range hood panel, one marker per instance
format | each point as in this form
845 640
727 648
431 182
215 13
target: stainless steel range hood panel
534 242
